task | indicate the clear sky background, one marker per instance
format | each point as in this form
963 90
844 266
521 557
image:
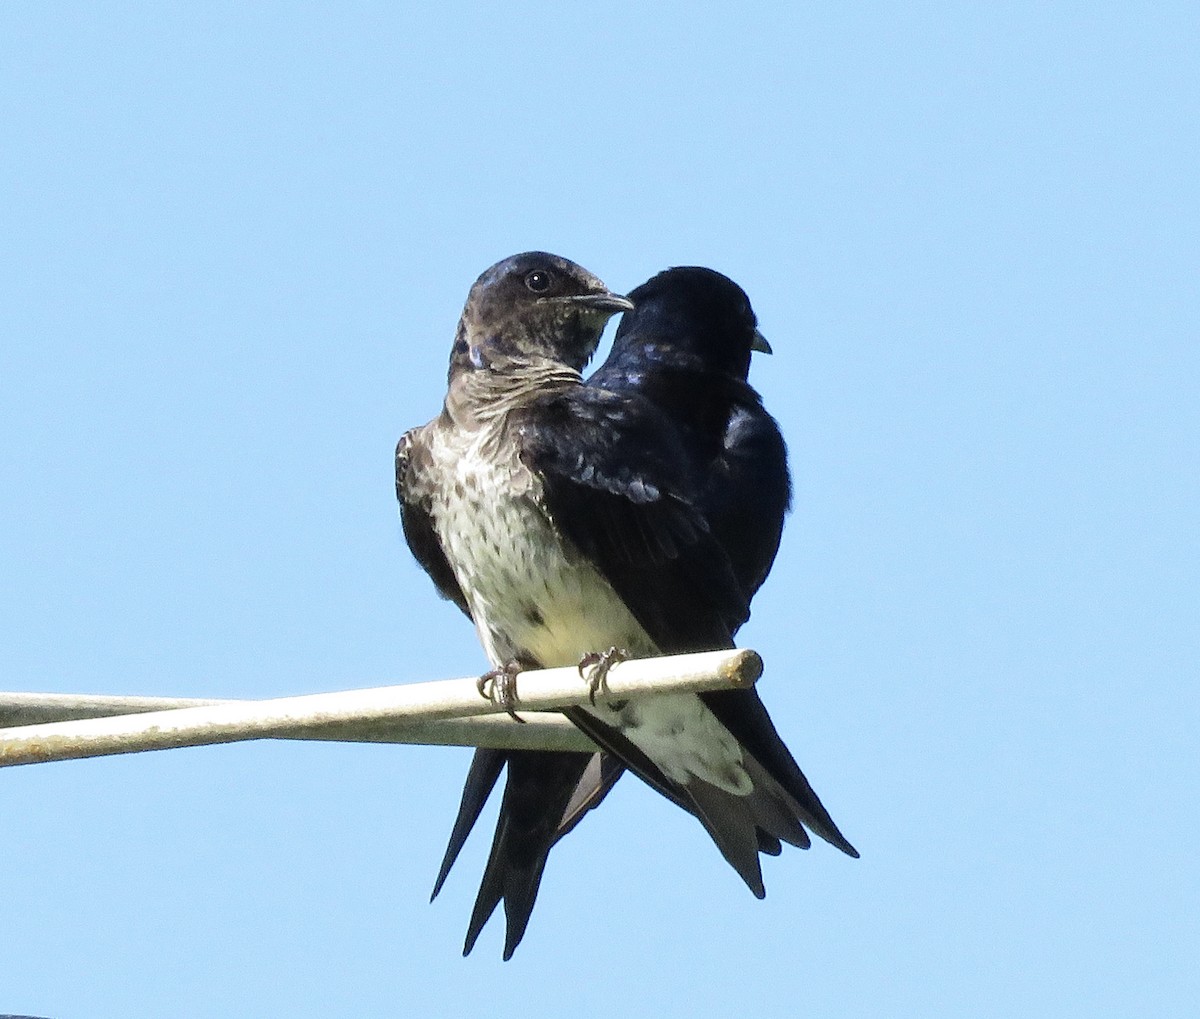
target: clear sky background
236 240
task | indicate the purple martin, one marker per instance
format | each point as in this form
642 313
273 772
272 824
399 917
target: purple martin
470 511
642 510
686 348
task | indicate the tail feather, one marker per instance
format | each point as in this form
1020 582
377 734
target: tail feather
744 826
601 775
743 713
779 808
539 788
547 793
724 817
486 766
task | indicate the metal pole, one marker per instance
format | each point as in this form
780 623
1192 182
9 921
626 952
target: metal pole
542 731
422 702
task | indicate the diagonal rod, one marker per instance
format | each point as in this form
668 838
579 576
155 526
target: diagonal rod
230 722
544 730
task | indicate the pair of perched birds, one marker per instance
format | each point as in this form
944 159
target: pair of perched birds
638 510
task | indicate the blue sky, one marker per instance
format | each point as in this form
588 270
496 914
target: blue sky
236 245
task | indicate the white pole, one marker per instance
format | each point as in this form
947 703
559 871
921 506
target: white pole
295 716
542 730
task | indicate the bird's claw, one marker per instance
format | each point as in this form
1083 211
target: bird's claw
500 685
600 662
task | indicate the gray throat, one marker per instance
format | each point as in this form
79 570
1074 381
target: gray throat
483 397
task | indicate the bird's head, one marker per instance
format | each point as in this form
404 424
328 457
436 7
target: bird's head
697 313
533 306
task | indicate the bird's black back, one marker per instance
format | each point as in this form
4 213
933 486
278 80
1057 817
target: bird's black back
686 348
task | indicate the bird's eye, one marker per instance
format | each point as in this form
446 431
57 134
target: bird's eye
539 281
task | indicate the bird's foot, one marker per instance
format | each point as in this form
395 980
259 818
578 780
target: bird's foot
500 685
600 662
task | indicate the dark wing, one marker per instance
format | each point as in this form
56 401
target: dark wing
414 516
694 398
748 490
616 483
619 485
745 488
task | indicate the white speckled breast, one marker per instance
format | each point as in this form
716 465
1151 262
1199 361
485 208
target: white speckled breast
533 597
530 594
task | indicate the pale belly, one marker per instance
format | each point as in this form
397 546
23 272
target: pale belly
531 597
535 600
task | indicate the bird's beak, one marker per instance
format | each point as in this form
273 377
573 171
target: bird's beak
760 344
610 302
